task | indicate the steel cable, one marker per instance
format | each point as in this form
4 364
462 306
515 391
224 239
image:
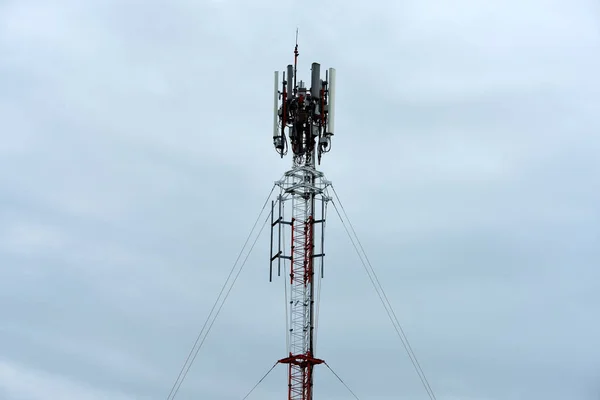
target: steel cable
260 381
198 343
383 297
343 383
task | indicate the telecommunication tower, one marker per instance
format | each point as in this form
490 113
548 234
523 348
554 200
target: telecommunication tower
303 122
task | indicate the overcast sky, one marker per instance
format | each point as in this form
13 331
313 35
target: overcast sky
136 151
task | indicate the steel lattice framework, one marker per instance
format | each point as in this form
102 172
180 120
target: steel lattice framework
304 123
304 188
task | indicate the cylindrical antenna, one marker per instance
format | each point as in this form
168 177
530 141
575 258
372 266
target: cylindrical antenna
284 109
331 102
276 132
315 82
291 77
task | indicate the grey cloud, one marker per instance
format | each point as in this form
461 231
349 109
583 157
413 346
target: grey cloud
136 151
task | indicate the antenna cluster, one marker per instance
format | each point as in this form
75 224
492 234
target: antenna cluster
308 114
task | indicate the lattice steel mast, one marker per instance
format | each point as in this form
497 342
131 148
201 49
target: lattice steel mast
307 116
